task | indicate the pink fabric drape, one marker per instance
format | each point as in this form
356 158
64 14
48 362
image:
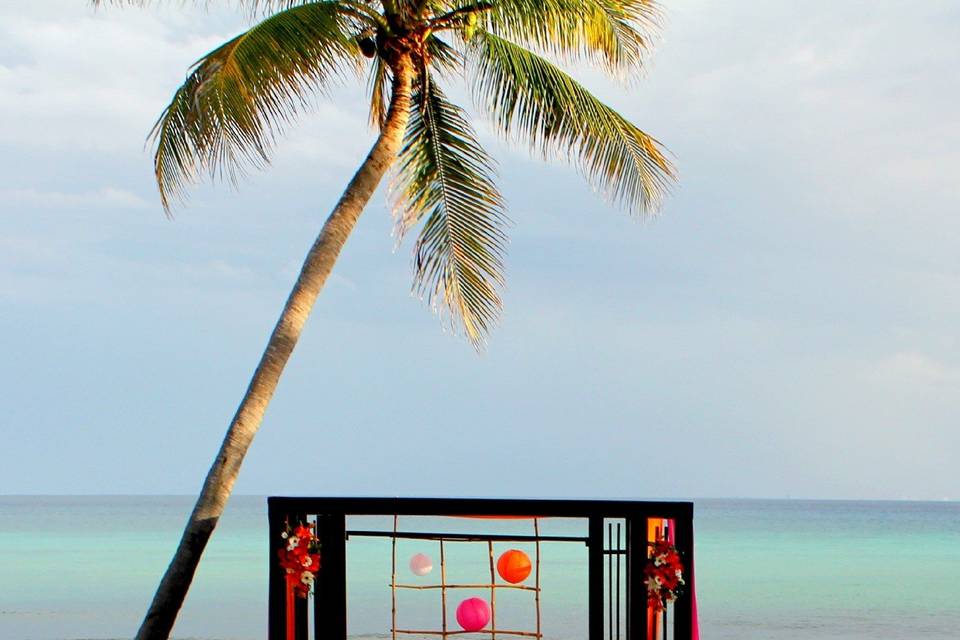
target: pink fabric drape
655 528
691 584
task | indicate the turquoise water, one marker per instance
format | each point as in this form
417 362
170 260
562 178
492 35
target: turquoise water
73 568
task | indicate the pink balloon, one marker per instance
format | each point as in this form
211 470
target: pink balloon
421 564
473 614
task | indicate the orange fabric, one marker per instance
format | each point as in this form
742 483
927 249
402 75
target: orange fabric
655 528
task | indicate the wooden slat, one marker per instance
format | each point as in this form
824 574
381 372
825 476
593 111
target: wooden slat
465 586
683 607
461 537
465 507
595 579
636 586
276 602
500 632
330 605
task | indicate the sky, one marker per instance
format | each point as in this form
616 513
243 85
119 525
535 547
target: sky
786 327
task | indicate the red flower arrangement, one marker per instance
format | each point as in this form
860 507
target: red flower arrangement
664 575
300 557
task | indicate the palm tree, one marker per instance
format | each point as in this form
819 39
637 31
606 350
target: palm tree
237 99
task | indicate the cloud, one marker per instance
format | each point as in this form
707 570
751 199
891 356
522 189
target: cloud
104 197
913 370
795 303
74 79
860 125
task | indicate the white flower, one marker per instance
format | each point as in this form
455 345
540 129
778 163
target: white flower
653 583
292 543
284 535
307 578
306 561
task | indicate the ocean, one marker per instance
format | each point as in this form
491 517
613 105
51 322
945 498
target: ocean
85 568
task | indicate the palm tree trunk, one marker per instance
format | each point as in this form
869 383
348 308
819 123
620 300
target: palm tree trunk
319 263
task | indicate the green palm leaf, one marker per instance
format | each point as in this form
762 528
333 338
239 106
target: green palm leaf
255 7
444 58
525 94
237 98
446 176
378 84
618 31
622 31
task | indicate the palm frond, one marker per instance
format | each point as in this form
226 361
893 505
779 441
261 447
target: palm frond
236 100
622 31
378 82
445 176
252 7
618 32
142 3
526 95
443 57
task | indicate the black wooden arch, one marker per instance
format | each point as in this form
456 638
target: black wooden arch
330 610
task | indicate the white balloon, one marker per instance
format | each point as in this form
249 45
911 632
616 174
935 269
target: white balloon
421 564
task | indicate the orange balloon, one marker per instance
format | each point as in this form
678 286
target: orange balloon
514 566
